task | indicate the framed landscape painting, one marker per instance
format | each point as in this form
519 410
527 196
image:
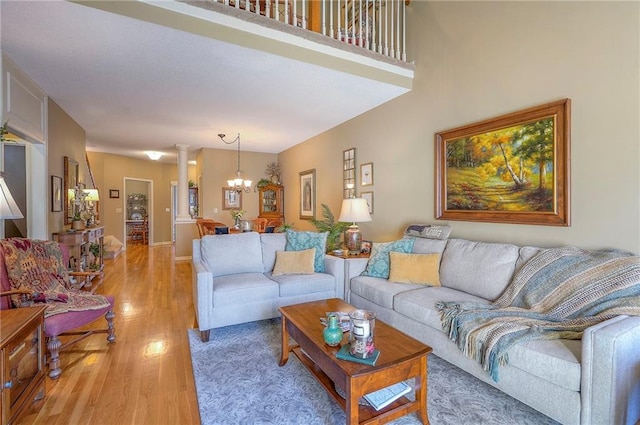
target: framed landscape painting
510 169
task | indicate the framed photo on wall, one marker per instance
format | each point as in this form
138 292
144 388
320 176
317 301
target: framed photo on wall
56 193
231 199
114 193
308 194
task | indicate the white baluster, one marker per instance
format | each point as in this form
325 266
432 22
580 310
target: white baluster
386 28
353 22
404 31
304 16
379 26
295 13
338 14
397 56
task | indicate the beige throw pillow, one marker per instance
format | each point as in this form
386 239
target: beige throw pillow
415 268
294 262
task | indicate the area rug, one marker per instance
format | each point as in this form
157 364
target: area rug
238 381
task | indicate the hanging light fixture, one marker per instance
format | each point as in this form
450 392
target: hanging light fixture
238 183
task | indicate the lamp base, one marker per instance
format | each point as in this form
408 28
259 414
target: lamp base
353 239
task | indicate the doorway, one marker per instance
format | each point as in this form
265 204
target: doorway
138 211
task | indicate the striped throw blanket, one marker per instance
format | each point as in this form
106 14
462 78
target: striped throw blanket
557 294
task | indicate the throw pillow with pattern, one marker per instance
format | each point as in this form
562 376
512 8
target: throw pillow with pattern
298 241
378 265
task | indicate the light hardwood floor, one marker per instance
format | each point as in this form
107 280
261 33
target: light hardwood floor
145 377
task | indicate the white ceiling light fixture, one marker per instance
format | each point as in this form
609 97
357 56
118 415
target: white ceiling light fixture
153 155
238 184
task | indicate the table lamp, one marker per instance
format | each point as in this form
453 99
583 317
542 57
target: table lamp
91 196
354 210
8 207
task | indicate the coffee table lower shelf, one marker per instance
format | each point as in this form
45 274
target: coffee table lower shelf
367 415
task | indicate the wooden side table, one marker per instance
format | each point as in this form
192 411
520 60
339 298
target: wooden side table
21 360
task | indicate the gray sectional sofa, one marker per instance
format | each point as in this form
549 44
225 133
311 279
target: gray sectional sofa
593 381
233 281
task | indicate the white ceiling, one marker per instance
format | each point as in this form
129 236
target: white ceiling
134 85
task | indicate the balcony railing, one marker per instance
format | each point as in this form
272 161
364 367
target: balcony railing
376 25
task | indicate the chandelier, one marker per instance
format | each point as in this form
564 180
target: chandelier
238 183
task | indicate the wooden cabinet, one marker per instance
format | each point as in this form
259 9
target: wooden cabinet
21 360
271 198
193 202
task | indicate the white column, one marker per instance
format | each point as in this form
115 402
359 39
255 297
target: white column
183 184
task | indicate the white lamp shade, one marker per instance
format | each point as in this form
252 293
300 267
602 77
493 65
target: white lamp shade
91 195
8 207
354 210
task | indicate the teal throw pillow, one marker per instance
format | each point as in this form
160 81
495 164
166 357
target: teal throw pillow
378 265
298 241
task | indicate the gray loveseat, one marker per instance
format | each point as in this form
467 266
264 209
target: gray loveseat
593 381
233 281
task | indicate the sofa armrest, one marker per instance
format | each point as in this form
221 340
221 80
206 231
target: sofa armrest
611 372
335 267
353 267
202 286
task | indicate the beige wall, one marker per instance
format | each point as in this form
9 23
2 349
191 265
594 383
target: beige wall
66 138
477 60
109 172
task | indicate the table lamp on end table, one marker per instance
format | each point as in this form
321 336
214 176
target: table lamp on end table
354 210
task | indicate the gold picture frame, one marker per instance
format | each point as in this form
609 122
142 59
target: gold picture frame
510 169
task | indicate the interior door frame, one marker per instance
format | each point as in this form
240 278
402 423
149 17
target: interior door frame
149 208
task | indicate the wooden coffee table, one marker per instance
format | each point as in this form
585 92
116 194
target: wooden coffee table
401 358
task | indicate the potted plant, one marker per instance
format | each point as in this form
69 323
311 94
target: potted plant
273 171
77 222
329 224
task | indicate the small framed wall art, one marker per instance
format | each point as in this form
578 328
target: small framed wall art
231 199
56 193
308 194
366 174
369 197
114 193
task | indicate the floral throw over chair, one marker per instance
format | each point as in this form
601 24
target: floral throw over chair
34 271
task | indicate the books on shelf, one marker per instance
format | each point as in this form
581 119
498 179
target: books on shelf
343 320
384 397
344 354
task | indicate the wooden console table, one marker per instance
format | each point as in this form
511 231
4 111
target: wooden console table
79 243
21 360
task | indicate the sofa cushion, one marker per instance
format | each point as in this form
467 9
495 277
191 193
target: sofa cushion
297 241
420 304
378 290
556 360
526 253
231 254
271 242
302 284
378 265
414 268
478 268
294 262
427 246
238 289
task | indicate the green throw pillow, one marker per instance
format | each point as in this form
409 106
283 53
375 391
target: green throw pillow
298 241
378 265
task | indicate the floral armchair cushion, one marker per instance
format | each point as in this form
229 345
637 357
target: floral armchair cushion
37 266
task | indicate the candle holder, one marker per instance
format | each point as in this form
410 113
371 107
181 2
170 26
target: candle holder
361 333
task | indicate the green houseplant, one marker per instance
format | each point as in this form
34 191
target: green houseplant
329 224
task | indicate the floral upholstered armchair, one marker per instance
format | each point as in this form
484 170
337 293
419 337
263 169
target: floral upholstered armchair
34 271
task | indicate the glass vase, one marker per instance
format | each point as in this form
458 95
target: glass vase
332 333
361 332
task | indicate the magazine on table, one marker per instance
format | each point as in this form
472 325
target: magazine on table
384 397
343 320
